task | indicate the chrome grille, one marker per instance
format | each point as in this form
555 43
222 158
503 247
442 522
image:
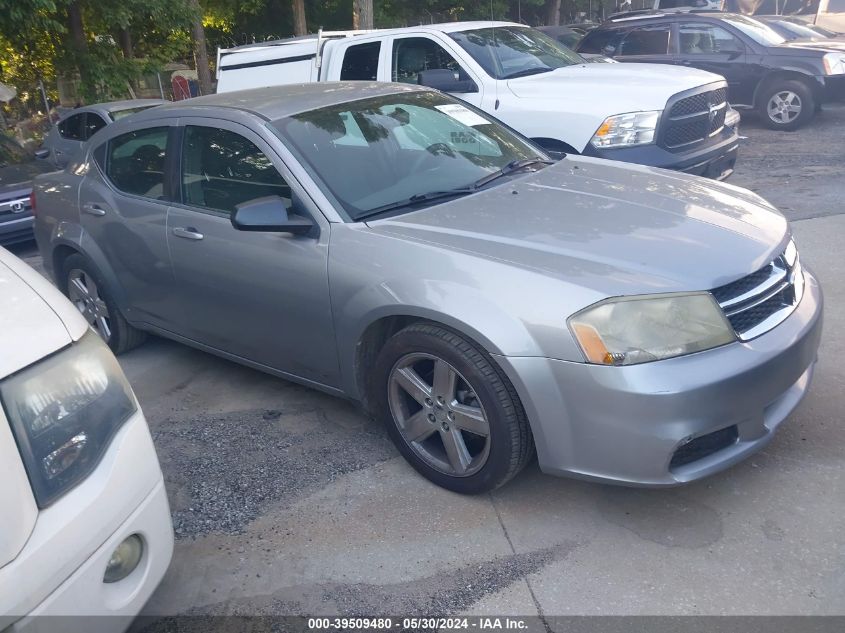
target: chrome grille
758 302
694 119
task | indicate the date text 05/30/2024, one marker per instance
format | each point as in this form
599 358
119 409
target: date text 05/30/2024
388 624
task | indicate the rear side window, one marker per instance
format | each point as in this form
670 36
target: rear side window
601 42
360 63
135 162
73 127
646 40
221 169
93 124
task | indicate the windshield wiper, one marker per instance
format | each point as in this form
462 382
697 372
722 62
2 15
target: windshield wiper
420 198
525 72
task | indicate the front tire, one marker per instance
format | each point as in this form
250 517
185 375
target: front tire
449 410
786 105
84 286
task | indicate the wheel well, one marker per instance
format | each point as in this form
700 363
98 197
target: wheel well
787 75
60 255
369 346
554 145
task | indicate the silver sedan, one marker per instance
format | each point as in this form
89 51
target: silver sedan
395 246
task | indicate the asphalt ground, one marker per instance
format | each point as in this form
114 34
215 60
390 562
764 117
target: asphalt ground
289 501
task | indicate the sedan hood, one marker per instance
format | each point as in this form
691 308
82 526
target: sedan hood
622 87
615 228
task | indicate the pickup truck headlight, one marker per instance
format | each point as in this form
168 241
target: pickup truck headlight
834 64
627 130
732 118
631 330
64 411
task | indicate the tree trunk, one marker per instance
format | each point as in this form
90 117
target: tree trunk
200 49
124 37
299 25
362 14
553 12
76 28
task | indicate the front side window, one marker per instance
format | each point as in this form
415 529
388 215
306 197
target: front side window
646 40
413 55
383 150
135 162
707 39
222 169
93 123
360 62
507 52
73 127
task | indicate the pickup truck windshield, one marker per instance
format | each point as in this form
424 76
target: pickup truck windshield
402 150
507 52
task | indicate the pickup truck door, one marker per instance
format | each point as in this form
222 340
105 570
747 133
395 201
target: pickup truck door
715 49
260 296
410 54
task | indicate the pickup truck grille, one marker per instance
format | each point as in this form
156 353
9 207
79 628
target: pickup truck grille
695 119
758 302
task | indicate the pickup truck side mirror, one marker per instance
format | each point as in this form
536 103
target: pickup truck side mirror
42 154
445 80
269 215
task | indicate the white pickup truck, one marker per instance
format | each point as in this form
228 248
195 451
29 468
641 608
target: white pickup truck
676 118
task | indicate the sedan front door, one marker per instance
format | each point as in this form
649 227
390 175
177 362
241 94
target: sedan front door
263 297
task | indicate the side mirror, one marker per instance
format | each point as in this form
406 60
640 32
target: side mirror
269 215
42 153
445 81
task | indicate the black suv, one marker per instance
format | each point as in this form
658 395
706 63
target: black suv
785 82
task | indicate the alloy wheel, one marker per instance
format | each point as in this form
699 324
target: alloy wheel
784 107
439 414
85 295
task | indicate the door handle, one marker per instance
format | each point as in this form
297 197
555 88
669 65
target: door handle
188 233
93 209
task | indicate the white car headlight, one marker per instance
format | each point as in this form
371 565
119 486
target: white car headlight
627 130
834 64
631 330
64 411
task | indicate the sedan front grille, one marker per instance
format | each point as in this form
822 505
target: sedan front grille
758 302
695 119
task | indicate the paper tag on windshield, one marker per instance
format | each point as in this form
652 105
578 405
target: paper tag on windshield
462 114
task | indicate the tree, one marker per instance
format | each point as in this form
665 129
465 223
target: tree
362 14
299 25
553 12
200 47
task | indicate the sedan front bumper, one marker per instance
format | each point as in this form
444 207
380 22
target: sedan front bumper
673 421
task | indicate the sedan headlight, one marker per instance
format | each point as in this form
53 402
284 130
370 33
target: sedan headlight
64 411
627 130
631 330
834 64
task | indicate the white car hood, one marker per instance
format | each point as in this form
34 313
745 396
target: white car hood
621 87
35 319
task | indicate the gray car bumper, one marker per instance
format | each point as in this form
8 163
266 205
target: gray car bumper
626 424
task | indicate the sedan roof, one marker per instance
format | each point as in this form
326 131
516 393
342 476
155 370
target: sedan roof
276 102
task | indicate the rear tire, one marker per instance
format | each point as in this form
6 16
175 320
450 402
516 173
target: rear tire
450 410
786 104
85 287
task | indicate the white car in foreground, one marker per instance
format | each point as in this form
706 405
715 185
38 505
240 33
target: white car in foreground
84 521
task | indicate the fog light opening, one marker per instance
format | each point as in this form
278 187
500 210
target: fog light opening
124 559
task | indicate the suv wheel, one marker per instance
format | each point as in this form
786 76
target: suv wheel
451 413
786 105
85 288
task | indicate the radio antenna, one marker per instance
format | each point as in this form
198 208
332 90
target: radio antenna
495 45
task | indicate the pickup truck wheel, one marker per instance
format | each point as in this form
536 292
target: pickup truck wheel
85 288
451 413
786 105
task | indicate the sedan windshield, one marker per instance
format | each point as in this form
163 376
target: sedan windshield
756 30
507 52
401 150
